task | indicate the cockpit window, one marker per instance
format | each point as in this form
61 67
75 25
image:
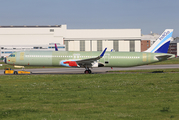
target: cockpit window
12 55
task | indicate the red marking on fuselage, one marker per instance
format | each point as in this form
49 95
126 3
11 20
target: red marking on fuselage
71 63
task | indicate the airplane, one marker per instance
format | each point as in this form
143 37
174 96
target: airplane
156 53
56 48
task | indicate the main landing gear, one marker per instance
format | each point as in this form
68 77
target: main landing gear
87 71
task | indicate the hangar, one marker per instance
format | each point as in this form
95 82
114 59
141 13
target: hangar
15 38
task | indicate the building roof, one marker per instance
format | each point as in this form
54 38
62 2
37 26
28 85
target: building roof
25 26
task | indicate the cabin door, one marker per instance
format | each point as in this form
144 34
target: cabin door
21 55
106 58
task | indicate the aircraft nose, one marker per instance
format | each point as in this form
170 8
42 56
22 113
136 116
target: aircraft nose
5 60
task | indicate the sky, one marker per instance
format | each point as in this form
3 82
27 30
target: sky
147 15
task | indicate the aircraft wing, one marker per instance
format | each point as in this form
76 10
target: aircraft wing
90 60
82 63
162 57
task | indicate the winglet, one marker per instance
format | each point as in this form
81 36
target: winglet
102 54
56 49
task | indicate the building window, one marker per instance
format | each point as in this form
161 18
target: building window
51 30
116 45
82 45
132 46
66 45
36 47
99 45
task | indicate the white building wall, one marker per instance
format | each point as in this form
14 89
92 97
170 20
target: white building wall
30 39
94 45
0 52
87 45
124 46
177 49
57 39
70 46
43 35
74 45
103 34
29 36
108 44
137 46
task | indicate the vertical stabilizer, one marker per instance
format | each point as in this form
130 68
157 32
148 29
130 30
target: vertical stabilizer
161 45
56 48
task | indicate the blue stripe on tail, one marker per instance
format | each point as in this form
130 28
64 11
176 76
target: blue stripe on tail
163 48
162 41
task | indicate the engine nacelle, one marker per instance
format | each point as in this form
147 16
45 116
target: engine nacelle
96 64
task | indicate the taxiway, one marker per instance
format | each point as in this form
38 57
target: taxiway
94 70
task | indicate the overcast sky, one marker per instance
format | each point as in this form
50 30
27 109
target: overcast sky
148 15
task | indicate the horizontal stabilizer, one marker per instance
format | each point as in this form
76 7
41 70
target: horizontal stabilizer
163 57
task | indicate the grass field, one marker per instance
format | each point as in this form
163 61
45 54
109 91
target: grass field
138 96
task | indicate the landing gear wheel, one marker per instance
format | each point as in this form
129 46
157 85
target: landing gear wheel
15 72
87 72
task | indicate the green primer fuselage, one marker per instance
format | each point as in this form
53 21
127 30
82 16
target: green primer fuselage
110 59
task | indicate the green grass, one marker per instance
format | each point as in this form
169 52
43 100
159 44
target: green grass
137 96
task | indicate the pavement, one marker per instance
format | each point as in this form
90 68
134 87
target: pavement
94 70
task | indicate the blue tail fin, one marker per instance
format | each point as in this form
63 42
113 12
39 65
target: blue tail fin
162 43
56 49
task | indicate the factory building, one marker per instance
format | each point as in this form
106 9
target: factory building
174 47
16 38
148 40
